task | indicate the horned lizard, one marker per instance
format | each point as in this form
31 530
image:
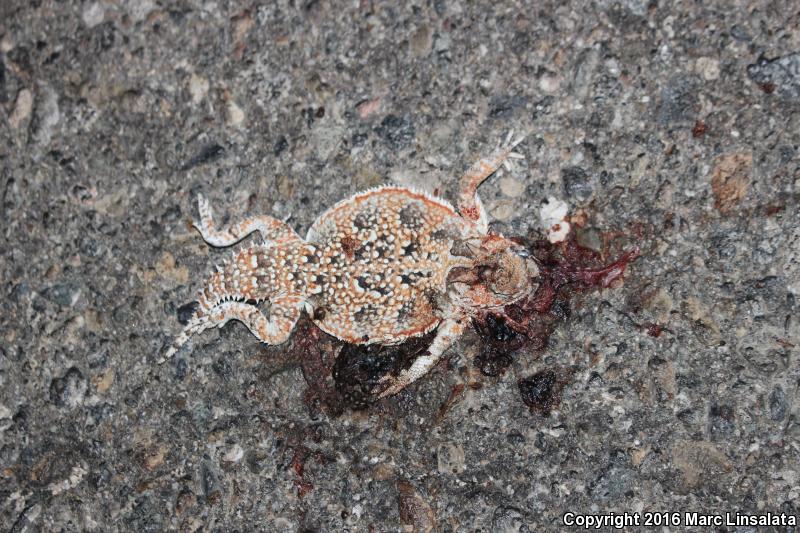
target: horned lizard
382 266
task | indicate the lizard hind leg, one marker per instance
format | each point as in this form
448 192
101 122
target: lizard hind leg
284 312
271 229
195 325
233 293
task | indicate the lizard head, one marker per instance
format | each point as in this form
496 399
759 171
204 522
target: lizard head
510 272
502 272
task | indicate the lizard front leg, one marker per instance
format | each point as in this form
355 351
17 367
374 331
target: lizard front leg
449 330
469 203
271 229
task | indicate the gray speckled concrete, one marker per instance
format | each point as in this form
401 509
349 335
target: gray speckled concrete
675 122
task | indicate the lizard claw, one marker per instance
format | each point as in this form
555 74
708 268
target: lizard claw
506 148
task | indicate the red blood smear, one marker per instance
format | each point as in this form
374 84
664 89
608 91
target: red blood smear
603 277
555 277
654 330
298 465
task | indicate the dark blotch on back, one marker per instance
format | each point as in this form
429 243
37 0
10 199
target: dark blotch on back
406 310
441 235
431 297
363 252
365 314
362 220
411 216
383 291
411 248
382 250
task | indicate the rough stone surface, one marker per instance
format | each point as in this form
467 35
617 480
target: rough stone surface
115 114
